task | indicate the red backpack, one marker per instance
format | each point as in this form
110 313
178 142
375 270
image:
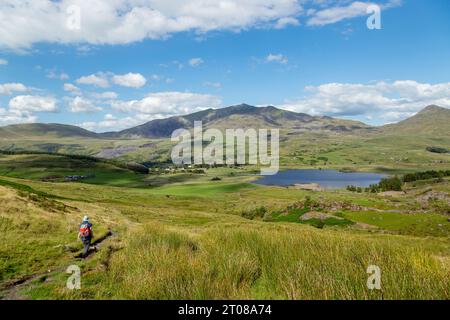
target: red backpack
85 230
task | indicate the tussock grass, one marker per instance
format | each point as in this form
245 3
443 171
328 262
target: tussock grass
178 245
270 262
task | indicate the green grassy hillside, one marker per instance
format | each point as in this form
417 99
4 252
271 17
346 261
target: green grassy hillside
433 121
196 239
41 130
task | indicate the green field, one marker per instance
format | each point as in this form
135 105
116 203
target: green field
185 236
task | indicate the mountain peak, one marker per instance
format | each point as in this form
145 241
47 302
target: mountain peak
242 106
432 121
432 108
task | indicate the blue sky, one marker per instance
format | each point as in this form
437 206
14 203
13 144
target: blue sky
316 57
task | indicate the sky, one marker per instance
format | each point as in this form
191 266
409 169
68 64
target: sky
107 65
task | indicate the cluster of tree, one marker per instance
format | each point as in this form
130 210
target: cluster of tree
70 156
438 150
396 183
137 167
355 189
426 175
386 184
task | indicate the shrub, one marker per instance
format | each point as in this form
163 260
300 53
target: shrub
137 167
254 213
437 150
391 184
425 175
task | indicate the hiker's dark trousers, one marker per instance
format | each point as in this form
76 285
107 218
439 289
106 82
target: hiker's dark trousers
86 244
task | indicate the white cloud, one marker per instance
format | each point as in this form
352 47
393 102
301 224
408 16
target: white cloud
131 80
68 87
103 79
279 58
99 80
30 103
81 105
112 22
336 13
154 106
287 21
195 62
113 123
216 85
88 125
14 117
9 88
52 74
24 23
105 95
169 103
383 101
3 62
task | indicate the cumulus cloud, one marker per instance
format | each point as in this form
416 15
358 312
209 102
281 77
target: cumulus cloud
21 109
81 105
24 23
382 101
279 58
8 89
195 62
104 79
105 95
68 87
131 80
169 103
15 116
113 123
3 62
154 106
29 103
99 80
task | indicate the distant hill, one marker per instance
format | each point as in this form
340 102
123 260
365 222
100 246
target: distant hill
431 121
41 130
240 116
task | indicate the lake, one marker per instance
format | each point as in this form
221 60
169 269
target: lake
328 179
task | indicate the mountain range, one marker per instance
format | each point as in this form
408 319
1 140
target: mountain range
431 120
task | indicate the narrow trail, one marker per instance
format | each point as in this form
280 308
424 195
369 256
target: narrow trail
96 245
11 289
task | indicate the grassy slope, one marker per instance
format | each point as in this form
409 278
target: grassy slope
44 166
374 152
181 242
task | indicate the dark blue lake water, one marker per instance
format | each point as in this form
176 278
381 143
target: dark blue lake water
329 179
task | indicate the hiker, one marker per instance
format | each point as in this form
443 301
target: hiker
85 235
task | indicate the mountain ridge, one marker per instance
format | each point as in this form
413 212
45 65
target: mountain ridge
241 115
44 129
430 120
